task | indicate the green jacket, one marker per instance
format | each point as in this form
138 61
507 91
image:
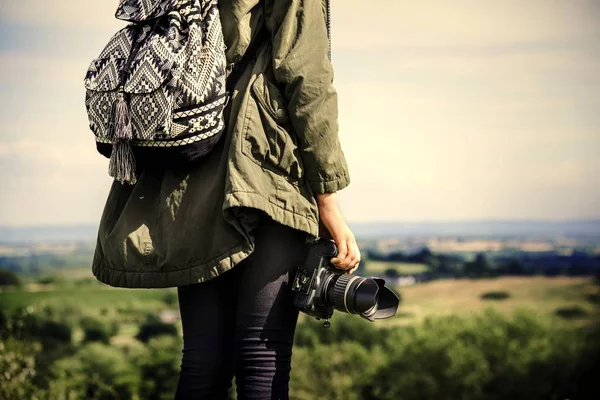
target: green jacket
179 226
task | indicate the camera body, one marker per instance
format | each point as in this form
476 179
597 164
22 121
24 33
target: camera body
311 277
321 288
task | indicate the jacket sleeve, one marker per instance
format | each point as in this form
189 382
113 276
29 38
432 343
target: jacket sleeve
304 73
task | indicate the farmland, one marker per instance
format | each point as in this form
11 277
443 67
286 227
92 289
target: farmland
468 336
542 295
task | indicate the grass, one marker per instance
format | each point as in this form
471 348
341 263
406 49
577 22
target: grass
91 296
463 296
374 267
544 295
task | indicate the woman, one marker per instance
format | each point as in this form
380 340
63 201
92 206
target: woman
230 231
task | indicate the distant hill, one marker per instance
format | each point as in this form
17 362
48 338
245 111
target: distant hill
32 234
480 229
363 230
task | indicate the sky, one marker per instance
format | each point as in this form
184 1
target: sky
454 110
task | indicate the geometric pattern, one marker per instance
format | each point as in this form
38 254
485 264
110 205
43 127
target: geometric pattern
142 10
99 108
119 46
104 74
173 143
150 114
172 78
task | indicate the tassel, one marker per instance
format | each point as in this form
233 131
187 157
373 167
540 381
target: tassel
122 162
122 122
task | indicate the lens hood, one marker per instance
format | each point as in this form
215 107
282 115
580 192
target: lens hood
374 300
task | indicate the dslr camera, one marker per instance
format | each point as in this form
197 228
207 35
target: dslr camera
320 288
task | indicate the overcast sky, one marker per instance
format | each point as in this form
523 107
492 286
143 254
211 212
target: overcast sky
449 110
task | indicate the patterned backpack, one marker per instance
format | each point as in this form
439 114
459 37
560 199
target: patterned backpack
157 91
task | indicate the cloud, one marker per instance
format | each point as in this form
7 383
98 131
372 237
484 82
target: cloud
46 194
385 23
472 136
448 110
42 72
63 13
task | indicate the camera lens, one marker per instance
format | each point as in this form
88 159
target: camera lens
367 297
347 293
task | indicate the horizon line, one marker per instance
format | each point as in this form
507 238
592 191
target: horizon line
375 221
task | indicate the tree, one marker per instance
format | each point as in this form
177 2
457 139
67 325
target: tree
477 268
97 371
47 280
38 326
153 327
170 299
391 273
424 256
95 330
513 267
17 363
9 278
160 368
338 371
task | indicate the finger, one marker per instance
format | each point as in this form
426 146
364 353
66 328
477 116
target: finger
346 262
342 252
354 263
356 258
350 257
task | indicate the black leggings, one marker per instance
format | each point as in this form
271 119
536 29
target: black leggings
242 322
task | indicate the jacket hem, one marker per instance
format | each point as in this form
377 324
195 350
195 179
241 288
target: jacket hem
166 279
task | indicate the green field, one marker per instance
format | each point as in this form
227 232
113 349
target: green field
544 295
89 296
463 296
374 267
472 353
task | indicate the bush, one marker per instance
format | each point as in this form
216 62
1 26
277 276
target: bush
160 368
488 356
495 296
95 330
585 378
482 357
26 323
391 272
47 280
153 327
170 299
594 298
344 371
55 330
573 312
96 371
9 278
344 328
17 363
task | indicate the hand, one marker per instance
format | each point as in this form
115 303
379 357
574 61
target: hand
330 215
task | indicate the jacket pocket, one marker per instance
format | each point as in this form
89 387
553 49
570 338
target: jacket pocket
268 136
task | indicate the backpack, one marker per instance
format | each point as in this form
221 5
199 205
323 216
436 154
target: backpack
156 93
